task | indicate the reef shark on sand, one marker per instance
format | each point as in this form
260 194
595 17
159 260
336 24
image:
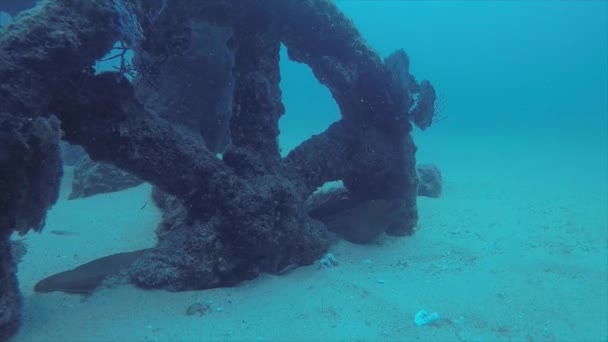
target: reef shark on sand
354 219
85 278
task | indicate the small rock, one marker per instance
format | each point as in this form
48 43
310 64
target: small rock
198 309
93 177
429 180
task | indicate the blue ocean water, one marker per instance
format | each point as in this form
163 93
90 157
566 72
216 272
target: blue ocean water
517 59
516 248
505 68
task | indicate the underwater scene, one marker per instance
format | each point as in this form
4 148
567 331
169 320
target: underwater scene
303 170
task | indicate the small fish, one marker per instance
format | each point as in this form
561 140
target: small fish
287 269
63 232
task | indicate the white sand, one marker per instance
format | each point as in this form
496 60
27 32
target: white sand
516 249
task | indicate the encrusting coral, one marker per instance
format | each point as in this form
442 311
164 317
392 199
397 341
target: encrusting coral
242 214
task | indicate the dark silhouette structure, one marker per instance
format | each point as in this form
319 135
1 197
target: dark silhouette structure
243 213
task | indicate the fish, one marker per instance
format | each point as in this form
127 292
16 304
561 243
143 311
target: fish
63 232
84 279
357 220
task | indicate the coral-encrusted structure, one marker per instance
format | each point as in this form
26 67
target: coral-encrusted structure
244 213
92 178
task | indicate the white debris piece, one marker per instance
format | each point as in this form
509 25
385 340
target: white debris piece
329 260
424 318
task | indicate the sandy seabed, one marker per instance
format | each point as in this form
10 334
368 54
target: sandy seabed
515 249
